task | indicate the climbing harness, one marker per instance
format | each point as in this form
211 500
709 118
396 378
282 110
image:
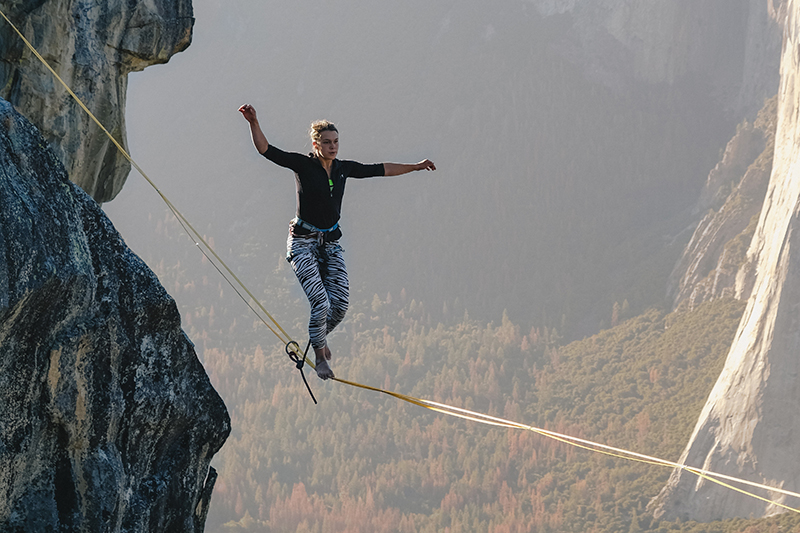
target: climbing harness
297 221
318 233
292 348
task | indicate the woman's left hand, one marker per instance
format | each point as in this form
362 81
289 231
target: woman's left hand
426 165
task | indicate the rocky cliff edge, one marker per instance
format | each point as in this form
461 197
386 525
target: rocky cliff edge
108 419
93 46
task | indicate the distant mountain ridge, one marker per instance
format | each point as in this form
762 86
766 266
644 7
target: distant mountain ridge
735 45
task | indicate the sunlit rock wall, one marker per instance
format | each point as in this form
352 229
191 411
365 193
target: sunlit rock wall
750 423
108 419
92 46
715 262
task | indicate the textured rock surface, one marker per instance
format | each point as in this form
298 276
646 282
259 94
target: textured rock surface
108 419
715 257
749 425
92 46
733 46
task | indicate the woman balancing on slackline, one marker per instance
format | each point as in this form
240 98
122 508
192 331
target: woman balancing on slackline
313 244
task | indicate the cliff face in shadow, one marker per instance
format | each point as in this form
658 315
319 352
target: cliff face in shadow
92 46
109 421
749 423
734 45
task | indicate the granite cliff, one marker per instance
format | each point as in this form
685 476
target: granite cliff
92 46
108 419
715 264
748 425
744 221
742 244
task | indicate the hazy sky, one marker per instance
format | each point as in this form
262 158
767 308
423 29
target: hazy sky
548 161
295 65
361 64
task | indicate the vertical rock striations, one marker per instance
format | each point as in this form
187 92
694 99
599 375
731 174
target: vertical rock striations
750 423
714 263
92 46
108 420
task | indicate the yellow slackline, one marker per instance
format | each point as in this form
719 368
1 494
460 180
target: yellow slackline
466 414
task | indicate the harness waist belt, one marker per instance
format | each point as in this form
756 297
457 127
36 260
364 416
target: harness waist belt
310 227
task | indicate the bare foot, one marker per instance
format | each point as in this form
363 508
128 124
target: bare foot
323 369
327 354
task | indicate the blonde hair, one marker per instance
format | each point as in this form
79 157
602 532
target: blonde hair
318 126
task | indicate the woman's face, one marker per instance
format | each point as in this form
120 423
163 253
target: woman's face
328 145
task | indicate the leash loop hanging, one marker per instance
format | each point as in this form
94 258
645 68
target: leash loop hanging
293 351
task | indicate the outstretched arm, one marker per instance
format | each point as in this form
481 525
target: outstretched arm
259 139
396 169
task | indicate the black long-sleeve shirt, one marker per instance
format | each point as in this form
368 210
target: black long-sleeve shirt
317 203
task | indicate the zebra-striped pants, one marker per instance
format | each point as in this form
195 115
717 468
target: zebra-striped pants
323 276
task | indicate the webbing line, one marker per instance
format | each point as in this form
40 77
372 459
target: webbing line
582 443
427 404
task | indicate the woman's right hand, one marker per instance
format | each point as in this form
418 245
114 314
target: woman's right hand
249 113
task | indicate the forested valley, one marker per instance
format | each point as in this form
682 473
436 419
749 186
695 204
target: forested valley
363 461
